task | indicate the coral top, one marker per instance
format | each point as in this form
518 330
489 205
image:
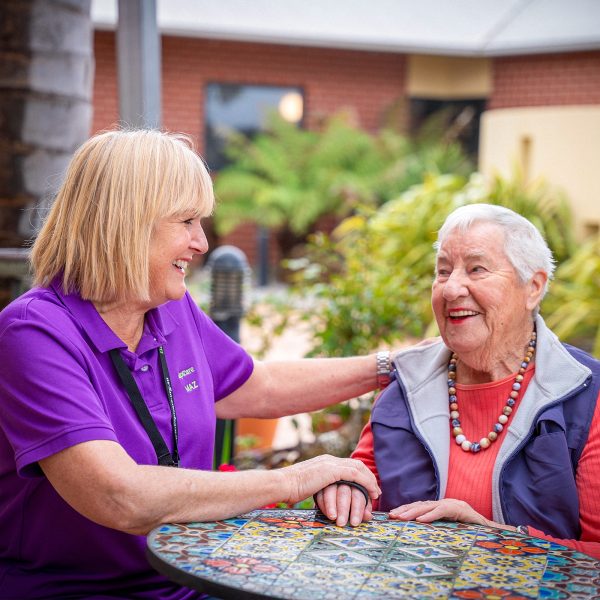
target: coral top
470 475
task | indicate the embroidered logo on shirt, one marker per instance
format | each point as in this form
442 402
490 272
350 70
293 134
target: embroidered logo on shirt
186 372
191 386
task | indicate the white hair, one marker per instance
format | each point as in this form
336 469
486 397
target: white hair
524 245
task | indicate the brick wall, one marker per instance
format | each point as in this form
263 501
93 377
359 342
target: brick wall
546 80
105 99
369 82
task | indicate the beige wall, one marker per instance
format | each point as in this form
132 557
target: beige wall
559 144
448 78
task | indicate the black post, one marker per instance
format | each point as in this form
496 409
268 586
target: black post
263 256
229 273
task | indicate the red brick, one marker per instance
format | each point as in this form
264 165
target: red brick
546 80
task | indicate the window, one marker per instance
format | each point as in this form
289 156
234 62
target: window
462 116
244 108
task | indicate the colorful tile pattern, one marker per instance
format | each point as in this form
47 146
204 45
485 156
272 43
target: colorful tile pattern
298 554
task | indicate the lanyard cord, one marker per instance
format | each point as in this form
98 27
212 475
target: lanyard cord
162 452
169 390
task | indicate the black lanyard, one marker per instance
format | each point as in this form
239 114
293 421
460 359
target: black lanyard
162 452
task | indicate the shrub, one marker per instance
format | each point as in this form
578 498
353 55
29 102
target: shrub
573 301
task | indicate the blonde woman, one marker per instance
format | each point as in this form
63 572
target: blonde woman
110 373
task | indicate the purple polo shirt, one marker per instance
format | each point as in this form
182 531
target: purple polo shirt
58 389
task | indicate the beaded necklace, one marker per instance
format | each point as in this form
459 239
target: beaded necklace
492 436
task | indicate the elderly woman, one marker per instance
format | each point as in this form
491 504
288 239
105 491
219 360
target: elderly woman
498 424
110 373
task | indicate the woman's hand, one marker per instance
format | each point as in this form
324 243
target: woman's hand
103 483
343 504
312 476
448 509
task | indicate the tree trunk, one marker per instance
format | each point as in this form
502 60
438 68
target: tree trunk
46 76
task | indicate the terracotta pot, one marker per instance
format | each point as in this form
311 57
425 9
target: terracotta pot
262 429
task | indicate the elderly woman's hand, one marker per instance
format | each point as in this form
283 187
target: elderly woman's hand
312 476
448 509
344 504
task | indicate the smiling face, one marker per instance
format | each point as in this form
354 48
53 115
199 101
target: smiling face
174 243
483 310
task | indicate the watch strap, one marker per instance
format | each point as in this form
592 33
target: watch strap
384 368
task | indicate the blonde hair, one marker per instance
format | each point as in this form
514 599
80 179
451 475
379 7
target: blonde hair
118 185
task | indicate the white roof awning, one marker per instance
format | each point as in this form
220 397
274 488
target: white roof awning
447 27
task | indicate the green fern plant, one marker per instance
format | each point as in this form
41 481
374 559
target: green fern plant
288 178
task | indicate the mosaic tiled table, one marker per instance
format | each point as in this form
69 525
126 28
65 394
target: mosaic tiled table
298 554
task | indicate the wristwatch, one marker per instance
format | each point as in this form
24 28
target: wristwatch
384 368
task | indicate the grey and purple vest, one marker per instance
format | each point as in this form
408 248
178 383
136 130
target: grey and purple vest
533 481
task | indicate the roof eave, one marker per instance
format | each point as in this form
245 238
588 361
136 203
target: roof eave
546 47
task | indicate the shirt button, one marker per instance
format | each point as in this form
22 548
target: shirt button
144 368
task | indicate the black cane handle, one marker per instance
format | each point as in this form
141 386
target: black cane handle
357 486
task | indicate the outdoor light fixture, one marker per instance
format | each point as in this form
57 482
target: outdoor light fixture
230 275
291 107
229 279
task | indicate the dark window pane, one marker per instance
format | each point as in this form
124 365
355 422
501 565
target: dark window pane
462 115
244 108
